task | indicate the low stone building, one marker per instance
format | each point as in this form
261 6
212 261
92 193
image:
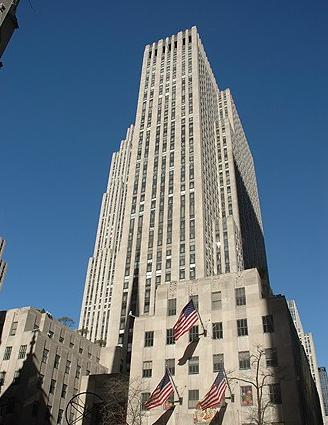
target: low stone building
42 364
242 327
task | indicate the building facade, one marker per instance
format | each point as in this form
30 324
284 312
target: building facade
324 388
181 201
3 264
242 327
181 218
42 364
8 22
307 341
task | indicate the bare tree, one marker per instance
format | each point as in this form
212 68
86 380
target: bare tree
123 402
259 380
66 321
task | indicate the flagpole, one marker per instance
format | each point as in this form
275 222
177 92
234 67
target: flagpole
232 397
175 387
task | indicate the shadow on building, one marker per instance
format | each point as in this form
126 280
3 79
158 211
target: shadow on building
24 402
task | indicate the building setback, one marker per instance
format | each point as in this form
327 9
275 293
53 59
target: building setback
41 366
181 218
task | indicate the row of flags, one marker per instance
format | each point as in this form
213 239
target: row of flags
188 317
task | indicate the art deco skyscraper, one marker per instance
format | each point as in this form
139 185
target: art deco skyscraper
181 201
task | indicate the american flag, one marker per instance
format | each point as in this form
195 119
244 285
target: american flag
161 393
216 392
187 319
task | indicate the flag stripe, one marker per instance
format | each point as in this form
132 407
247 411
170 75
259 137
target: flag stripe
216 392
188 317
161 393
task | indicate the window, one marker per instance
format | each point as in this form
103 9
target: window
60 416
271 357
170 336
78 372
16 377
40 380
240 296
194 299
216 300
22 351
267 322
171 307
242 328
246 395
218 362
149 338
13 329
68 366
170 364
244 360
193 398
147 369
57 360
217 330
50 333
64 391
193 365
7 353
144 399
52 386
2 377
45 355
275 393
193 333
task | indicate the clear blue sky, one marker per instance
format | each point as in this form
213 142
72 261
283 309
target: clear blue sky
68 92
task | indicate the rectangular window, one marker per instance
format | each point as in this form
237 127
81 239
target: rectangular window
149 338
13 329
22 351
193 398
64 391
45 355
216 300
240 296
2 377
218 362
57 360
170 364
68 366
246 395
169 336
267 322
271 357
78 372
217 330
144 399
193 366
52 386
171 307
7 353
242 328
244 360
147 369
275 393
193 333
16 377
60 416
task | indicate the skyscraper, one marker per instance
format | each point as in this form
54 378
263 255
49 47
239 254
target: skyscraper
181 219
181 201
3 264
324 387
